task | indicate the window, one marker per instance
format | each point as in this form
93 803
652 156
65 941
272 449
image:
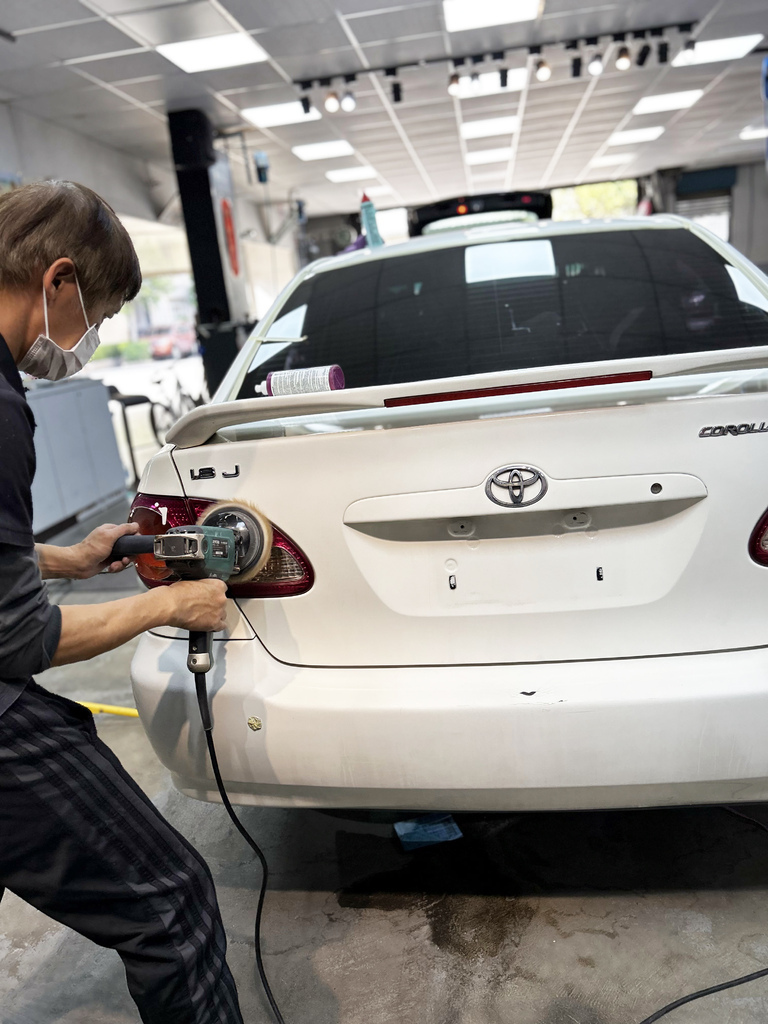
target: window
510 305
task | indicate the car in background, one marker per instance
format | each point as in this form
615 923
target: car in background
520 563
479 210
172 342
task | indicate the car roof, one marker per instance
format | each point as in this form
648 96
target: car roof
503 232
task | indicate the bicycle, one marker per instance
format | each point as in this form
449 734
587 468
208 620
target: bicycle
177 403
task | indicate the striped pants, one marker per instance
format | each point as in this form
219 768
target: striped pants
82 843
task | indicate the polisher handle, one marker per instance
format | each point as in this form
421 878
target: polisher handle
133 544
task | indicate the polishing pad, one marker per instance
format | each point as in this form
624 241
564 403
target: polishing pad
253 532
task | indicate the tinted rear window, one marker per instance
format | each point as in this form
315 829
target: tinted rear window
512 305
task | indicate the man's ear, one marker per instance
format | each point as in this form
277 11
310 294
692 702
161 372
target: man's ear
61 271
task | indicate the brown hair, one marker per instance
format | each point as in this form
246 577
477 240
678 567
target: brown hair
47 220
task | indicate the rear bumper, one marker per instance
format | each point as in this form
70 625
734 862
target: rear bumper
643 732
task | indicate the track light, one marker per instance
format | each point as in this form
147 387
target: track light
397 92
688 53
595 66
643 54
543 71
576 67
331 102
503 78
453 85
623 61
306 104
348 102
663 52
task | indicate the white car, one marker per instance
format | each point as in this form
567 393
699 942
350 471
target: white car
521 562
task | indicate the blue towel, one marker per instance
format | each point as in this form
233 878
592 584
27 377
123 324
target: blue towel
427 830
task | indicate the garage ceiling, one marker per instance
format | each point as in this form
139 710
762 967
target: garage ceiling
92 66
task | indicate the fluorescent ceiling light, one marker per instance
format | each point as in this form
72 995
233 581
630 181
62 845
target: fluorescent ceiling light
351 174
323 150
227 51
488 127
373 191
488 156
461 15
667 101
488 84
279 113
753 133
711 50
611 159
634 135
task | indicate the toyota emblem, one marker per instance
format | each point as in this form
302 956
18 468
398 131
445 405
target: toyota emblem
512 485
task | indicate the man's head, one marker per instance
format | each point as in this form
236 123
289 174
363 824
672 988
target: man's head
54 236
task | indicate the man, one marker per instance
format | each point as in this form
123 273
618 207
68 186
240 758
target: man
78 838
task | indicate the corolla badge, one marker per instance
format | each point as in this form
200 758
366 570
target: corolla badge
516 486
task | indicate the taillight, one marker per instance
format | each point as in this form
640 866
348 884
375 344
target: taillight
758 542
287 573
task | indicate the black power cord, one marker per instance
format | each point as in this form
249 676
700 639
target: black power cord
205 715
726 984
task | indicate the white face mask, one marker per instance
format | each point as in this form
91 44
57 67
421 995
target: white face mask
48 360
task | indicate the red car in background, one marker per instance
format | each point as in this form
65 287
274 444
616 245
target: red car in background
172 342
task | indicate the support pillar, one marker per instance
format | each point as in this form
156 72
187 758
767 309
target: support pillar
206 200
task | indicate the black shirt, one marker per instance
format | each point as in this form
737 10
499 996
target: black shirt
29 625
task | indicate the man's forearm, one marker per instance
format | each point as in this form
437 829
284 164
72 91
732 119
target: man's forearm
91 629
57 563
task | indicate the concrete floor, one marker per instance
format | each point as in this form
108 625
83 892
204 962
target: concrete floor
588 918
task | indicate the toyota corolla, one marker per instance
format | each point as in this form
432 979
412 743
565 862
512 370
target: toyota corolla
520 562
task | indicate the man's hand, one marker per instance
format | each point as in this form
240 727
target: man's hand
198 604
91 555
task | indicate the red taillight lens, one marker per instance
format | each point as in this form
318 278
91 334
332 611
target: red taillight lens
287 573
157 513
758 542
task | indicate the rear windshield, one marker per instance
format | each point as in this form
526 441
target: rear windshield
514 304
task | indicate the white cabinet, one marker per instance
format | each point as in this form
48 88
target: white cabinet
78 464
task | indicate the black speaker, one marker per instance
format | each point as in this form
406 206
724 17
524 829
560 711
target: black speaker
191 139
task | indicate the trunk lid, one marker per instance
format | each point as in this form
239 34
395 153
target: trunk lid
601 522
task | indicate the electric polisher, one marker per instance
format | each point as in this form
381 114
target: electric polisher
229 539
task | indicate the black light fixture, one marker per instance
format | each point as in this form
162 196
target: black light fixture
576 67
306 85
306 104
572 45
397 92
503 78
478 58
688 52
390 72
663 52
643 54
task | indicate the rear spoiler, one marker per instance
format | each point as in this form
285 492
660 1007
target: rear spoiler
199 425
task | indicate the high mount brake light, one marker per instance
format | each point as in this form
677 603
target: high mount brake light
758 542
287 573
520 389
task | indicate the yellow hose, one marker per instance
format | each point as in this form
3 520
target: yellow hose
109 709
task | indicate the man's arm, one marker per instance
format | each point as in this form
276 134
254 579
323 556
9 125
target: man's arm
83 560
91 629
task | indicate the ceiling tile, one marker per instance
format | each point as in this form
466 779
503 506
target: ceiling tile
177 23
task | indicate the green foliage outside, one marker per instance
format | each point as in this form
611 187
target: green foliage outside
127 351
595 200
